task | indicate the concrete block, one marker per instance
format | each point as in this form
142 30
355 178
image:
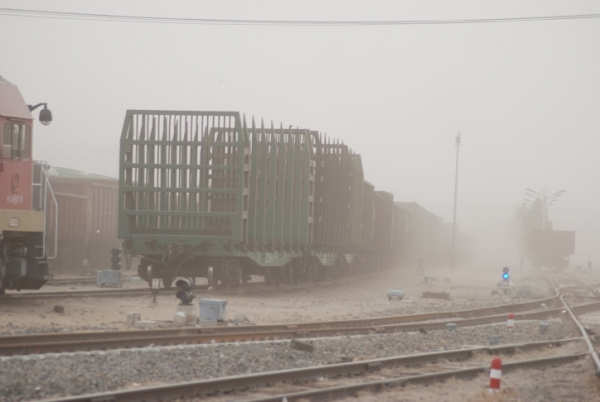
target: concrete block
398 294
132 318
451 326
189 312
144 324
179 319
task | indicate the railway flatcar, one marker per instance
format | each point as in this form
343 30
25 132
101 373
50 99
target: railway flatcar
87 219
25 195
203 194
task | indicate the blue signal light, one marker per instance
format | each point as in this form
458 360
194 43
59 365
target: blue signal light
505 275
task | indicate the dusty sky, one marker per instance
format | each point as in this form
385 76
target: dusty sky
524 95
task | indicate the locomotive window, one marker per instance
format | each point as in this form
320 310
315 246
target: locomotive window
16 141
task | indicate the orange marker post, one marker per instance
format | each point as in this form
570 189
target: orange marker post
495 374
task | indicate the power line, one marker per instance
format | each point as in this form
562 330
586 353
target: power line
15 12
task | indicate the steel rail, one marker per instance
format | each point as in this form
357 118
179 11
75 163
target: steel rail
328 394
71 281
247 288
83 293
591 349
370 322
250 287
590 287
47 343
136 339
226 384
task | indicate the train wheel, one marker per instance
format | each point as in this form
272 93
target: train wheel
210 277
149 272
269 276
167 280
127 261
288 274
245 277
317 273
235 274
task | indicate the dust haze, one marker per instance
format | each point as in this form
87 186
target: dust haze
524 95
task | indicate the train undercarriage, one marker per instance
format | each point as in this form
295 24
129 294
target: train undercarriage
232 272
23 265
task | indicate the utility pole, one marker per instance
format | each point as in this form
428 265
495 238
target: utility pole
455 198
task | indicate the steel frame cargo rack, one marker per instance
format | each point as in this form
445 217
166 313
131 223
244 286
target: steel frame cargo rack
201 194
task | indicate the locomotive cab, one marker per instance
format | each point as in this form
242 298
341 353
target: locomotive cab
23 197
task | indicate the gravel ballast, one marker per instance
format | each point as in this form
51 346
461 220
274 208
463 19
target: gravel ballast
54 375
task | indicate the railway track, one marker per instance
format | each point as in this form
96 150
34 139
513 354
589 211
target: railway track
455 359
463 363
72 281
354 369
69 342
250 287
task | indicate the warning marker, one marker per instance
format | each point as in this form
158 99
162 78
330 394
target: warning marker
510 323
495 374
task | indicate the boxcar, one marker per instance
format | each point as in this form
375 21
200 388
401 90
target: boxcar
87 219
420 234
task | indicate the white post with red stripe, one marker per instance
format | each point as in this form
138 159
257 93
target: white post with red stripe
495 374
510 323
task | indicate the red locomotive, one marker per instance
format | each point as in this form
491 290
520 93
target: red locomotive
24 195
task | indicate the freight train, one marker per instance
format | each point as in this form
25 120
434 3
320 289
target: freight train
25 196
203 194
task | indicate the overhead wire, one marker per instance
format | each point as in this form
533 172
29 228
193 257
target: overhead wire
332 23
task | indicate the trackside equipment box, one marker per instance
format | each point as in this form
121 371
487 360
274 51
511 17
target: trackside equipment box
109 278
211 309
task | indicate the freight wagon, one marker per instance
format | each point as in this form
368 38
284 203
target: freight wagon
87 219
418 235
203 194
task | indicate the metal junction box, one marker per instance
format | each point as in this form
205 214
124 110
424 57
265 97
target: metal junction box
212 310
109 279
